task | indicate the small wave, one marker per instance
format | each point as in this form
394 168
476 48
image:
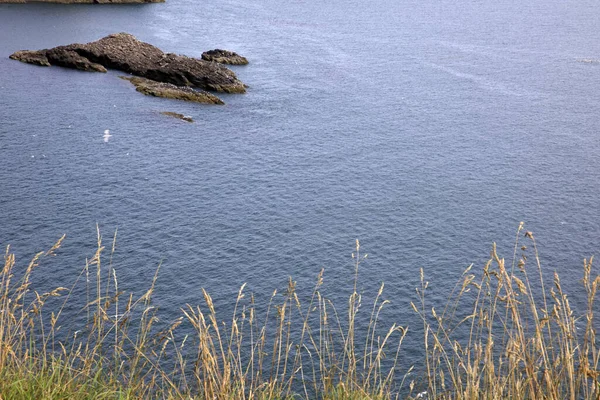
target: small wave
482 82
476 49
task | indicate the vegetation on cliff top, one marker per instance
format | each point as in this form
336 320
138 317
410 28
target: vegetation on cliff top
504 332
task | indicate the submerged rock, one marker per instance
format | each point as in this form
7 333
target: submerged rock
124 52
224 57
170 91
177 115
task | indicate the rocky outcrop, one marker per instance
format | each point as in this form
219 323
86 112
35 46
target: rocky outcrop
224 57
65 57
177 115
170 91
36 57
124 52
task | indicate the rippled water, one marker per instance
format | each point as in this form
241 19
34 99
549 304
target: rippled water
427 129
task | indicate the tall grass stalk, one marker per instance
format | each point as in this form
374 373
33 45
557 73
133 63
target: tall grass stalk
504 332
122 350
508 333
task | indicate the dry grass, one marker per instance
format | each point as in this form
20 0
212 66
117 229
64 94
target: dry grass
519 337
499 336
291 349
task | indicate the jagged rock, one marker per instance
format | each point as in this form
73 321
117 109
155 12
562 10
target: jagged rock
37 57
64 57
224 57
124 52
177 115
170 91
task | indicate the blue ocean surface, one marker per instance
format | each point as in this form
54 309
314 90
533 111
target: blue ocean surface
427 129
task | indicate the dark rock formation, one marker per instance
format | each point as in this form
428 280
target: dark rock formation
65 57
224 57
177 115
84 1
32 57
170 91
124 52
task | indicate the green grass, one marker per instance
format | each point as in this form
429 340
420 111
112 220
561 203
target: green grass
503 333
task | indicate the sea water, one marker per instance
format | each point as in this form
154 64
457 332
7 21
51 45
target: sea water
426 129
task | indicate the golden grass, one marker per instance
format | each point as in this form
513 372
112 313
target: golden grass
500 335
515 341
291 349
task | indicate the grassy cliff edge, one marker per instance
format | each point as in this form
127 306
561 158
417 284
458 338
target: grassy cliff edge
505 332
